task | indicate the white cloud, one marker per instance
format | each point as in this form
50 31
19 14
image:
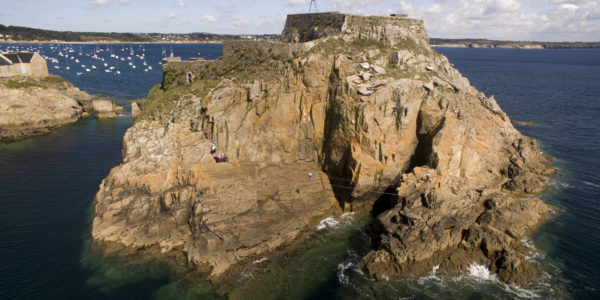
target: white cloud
501 6
296 2
569 6
171 16
568 1
227 6
180 3
99 2
435 9
239 22
352 4
209 19
123 1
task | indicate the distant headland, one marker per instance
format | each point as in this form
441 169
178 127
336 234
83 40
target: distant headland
485 43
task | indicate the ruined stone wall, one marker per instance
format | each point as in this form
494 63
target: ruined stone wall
279 49
302 28
390 30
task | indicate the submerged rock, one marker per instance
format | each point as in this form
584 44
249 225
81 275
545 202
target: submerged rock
305 137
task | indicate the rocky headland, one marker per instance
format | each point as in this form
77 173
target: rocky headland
347 113
32 106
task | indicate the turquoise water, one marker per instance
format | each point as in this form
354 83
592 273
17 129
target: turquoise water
48 184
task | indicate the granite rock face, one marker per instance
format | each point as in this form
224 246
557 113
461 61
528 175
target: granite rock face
136 111
105 109
35 106
360 137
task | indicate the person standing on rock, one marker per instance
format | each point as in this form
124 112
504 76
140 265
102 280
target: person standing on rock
213 148
172 118
428 175
310 175
191 124
394 110
394 156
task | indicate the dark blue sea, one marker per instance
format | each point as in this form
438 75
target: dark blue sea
48 183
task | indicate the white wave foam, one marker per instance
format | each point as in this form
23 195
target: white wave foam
434 270
480 273
332 222
432 276
559 184
534 254
328 222
342 277
520 292
245 275
590 184
258 261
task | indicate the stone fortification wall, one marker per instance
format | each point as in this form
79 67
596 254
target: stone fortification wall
389 30
272 48
302 28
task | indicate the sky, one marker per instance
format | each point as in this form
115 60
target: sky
531 20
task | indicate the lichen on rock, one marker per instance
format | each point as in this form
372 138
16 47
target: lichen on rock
368 109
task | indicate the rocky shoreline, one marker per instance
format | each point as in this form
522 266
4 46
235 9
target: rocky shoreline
362 115
33 106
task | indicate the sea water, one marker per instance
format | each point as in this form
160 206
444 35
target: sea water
48 182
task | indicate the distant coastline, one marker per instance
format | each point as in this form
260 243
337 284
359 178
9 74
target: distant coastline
109 42
483 43
17 34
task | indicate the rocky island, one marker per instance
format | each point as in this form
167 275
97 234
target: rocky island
346 113
32 106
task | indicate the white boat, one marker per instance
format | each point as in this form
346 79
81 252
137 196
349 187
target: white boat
87 70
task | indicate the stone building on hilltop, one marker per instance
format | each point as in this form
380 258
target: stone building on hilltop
22 63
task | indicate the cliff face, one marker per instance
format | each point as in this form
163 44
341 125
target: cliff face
35 106
368 108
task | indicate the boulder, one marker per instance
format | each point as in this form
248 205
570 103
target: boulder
104 109
378 69
135 110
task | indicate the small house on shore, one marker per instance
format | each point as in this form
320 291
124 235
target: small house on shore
22 63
